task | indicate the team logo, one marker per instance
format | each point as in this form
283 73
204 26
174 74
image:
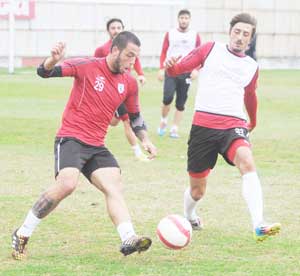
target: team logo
121 88
99 84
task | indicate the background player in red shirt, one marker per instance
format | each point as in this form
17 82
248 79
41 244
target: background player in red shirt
114 26
227 83
100 86
178 41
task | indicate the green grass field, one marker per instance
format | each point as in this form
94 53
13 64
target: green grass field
78 238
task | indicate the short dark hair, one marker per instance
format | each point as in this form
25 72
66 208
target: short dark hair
244 18
123 38
184 11
110 21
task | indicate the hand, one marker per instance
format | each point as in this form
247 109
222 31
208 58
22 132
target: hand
141 79
171 61
194 74
58 51
149 147
161 74
250 126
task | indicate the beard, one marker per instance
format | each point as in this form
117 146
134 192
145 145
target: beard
237 50
183 27
117 65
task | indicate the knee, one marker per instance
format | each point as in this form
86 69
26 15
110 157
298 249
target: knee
247 165
66 187
114 189
179 107
197 193
167 100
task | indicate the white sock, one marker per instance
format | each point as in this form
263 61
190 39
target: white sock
125 230
189 205
137 150
253 195
30 223
174 128
164 120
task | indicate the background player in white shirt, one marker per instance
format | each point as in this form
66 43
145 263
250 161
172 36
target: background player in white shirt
178 41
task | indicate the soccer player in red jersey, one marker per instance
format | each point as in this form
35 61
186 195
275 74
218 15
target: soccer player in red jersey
227 83
114 26
178 41
100 86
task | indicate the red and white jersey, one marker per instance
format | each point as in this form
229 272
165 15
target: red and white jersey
96 94
104 50
226 82
177 43
222 81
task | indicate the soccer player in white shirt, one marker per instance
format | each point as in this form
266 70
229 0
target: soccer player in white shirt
178 41
227 83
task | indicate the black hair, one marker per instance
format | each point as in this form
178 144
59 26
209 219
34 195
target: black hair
123 38
184 11
112 20
244 18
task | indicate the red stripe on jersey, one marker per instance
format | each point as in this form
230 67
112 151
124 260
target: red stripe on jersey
217 121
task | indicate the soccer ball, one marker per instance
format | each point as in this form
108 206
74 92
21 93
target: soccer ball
174 231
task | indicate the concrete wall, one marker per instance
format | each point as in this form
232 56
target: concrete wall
81 24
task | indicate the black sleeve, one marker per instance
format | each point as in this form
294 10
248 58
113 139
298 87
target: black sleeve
137 122
55 72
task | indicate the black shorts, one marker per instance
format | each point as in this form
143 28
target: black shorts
180 85
71 152
205 144
121 111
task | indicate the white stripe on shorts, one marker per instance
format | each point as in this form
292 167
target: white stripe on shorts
58 154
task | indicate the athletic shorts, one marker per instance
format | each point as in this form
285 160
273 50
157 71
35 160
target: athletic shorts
122 113
71 152
180 85
205 144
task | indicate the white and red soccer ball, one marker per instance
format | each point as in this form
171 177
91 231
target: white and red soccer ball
174 231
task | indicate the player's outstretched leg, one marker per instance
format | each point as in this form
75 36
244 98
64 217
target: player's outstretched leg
135 244
264 230
19 246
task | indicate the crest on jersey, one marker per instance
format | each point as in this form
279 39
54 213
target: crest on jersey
121 88
99 84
